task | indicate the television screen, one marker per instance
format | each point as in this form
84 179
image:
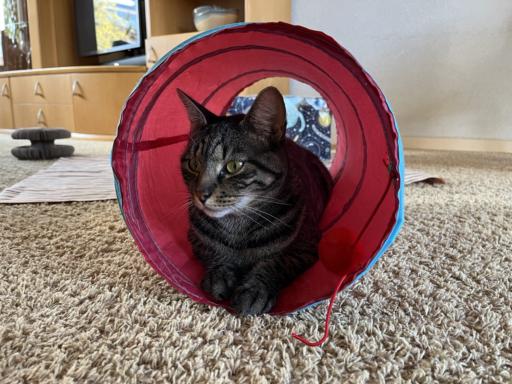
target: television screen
105 26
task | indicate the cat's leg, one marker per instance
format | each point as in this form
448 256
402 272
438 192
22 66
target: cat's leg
219 282
254 297
221 275
261 285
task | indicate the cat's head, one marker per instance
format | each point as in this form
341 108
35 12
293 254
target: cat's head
234 162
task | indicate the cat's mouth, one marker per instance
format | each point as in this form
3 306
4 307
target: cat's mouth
212 211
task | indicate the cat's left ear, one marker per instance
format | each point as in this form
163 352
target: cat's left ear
198 115
267 116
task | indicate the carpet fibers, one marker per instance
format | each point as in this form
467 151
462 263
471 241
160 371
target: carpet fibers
79 304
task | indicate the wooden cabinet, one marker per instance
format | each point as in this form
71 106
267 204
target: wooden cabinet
158 46
6 118
80 99
265 11
53 89
105 92
42 101
170 22
52 34
164 17
44 115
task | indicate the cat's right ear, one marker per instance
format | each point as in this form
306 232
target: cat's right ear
198 115
267 116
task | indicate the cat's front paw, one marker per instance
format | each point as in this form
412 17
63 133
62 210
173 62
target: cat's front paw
219 283
253 298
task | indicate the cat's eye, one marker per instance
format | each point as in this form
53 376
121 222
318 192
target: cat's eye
234 166
193 165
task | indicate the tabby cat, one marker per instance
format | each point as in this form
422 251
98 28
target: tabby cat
257 198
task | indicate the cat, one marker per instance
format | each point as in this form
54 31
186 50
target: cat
256 202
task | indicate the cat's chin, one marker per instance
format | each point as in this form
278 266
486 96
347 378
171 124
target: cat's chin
216 213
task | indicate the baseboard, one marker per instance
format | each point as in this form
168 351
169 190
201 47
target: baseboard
457 144
89 136
437 143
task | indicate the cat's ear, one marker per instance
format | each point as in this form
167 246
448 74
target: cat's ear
198 115
267 116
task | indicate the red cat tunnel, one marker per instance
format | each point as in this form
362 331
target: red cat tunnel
365 211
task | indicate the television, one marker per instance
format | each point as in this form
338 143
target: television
107 26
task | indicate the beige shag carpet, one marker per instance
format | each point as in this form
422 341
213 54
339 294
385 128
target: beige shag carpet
79 304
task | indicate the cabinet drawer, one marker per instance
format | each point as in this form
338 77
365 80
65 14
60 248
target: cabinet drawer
44 115
6 120
52 89
98 99
158 46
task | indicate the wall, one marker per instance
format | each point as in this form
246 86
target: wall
445 65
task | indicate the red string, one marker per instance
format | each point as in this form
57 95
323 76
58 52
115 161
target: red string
327 320
342 279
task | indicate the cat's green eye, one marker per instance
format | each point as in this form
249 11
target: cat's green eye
234 166
193 165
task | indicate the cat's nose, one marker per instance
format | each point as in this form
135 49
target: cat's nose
204 195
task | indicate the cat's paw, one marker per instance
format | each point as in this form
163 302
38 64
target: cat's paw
219 283
253 298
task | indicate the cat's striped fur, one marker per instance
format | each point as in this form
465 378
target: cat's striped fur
255 229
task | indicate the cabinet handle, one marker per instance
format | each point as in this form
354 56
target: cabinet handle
38 90
5 90
41 119
76 89
152 53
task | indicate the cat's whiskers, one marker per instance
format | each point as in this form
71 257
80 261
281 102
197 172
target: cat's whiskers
186 204
263 198
180 208
240 211
182 193
262 213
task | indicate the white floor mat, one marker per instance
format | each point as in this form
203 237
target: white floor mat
77 178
